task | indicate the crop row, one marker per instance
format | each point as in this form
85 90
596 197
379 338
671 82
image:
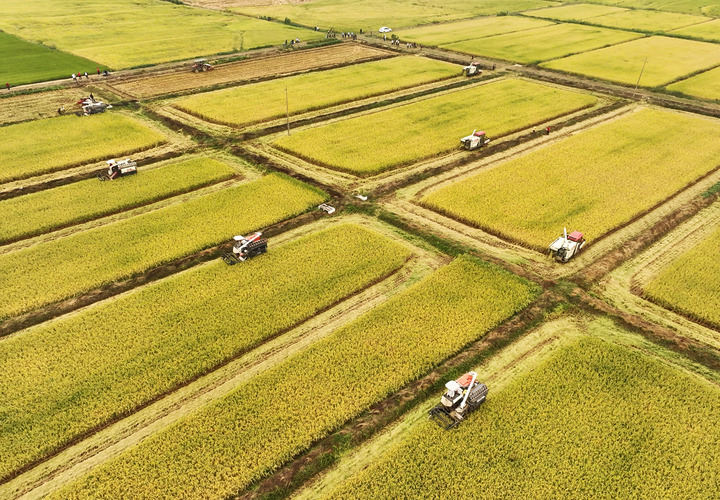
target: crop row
430 127
53 144
593 181
74 374
263 423
689 284
596 420
82 201
267 100
58 269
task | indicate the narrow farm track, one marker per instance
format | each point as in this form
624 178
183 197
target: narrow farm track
78 459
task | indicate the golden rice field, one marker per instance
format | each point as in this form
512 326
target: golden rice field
615 17
705 85
574 12
130 33
51 209
667 59
267 100
53 144
221 448
55 270
68 376
709 30
703 7
595 419
403 135
542 44
689 284
444 33
593 181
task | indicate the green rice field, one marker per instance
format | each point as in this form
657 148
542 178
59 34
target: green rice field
668 59
445 33
648 20
574 12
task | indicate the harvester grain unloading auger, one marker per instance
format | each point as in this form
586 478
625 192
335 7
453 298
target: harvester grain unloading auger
246 247
461 398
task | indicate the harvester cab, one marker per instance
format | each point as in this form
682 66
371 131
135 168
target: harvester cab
201 65
118 169
567 245
475 140
462 396
245 247
472 69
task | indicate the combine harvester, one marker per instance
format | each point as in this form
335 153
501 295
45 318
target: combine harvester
245 248
117 169
463 396
475 140
567 246
472 69
90 106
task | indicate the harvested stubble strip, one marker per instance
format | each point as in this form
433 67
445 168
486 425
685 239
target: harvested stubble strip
376 142
69 376
321 89
262 424
596 420
41 212
690 283
48 272
53 144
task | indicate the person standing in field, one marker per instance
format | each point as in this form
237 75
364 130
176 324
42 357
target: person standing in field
73 77
98 70
7 86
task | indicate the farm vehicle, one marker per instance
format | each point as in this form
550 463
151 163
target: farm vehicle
245 247
201 65
567 245
91 106
117 169
475 140
462 397
472 69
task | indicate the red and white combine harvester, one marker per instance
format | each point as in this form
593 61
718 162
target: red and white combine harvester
567 245
461 397
246 247
475 140
118 169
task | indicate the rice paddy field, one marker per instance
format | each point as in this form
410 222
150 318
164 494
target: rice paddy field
403 135
530 198
267 100
688 285
705 85
599 413
129 33
26 62
668 59
542 44
141 359
43 146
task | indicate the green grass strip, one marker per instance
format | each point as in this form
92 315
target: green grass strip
262 424
74 374
53 271
82 201
53 144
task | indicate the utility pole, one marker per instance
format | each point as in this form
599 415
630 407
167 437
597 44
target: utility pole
641 72
287 110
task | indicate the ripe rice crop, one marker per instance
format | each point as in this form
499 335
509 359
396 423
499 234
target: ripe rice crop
129 33
542 44
43 146
224 446
705 85
574 12
648 20
709 31
705 7
48 272
26 62
430 127
68 376
82 201
689 284
266 100
668 59
441 34
531 198
594 420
